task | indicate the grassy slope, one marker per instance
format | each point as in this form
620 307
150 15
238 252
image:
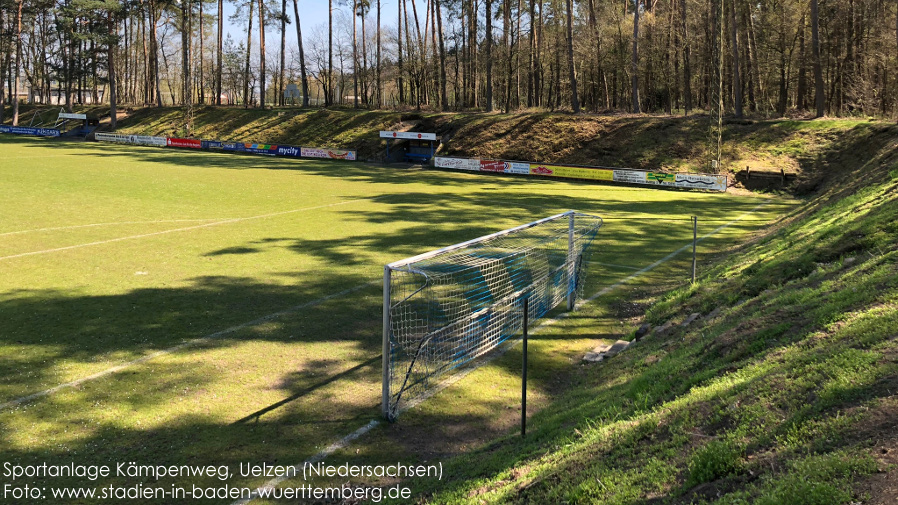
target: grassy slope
638 142
785 395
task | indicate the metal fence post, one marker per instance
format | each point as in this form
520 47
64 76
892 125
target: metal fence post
572 283
385 399
694 243
524 369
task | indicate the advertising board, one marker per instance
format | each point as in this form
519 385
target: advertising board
407 135
188 143
24 130
323 152
472 164
593 174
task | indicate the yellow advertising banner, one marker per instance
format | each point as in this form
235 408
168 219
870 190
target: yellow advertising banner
660 178
594 174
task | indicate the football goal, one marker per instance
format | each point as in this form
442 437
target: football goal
445 308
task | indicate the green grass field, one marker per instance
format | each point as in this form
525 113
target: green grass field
206 308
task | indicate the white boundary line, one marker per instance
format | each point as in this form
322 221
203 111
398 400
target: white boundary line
345 441
612 265
206 225
181 346
72 227
297 469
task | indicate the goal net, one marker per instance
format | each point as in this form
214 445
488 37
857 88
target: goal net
445 308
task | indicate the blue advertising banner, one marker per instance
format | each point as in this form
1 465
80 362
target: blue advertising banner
22 130
289 151
211 144
268 149
232 146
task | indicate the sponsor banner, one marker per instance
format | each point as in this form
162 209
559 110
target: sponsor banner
506 167
268 149
660 178
593 174
210 144
113 137
408 135
23 130
323 152
513 167
141 140
695 181
231 146
492 166
71 115
146 140
472 164
188 143
289 151
629 176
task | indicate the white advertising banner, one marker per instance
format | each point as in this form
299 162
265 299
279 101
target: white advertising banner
515 167
696 181
324 152
143 140
113 137
146 140
408 135
472 164
72 115
629 176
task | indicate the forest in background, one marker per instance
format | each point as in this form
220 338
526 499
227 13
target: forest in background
764 58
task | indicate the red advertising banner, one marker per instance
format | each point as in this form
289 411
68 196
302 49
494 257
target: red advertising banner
492 166
189 143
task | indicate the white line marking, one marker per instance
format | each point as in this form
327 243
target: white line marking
345 441
206 225
72 227
297 469
612 265
183 345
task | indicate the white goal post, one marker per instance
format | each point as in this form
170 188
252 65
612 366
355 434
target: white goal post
445 308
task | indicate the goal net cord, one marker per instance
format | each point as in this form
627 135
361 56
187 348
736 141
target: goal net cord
444 308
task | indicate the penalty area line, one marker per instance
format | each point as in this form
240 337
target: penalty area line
345 441
113 223
181 346
196 227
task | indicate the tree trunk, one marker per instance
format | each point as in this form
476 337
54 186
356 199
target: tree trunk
330 53
249 44
575 100
113 88
444 98
802 74
154 47
635 59
261 54
815 48
280 97
687 69
4 62
734 46
364 55
302 58
355 59
399 44
489 56
378 84
185 52
218 53
15 94
531 68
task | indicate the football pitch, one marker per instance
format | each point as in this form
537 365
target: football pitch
166 306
